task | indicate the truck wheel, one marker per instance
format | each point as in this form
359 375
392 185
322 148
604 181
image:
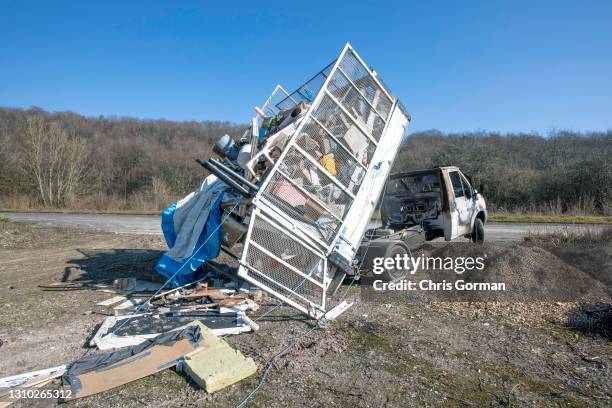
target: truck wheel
478 231
392 275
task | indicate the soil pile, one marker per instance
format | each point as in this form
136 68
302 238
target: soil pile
530 274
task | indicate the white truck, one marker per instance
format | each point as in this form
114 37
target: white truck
441 200
421 206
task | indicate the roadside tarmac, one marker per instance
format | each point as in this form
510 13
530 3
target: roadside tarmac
150 224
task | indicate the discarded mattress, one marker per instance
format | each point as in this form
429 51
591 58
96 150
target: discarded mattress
103 371
192 231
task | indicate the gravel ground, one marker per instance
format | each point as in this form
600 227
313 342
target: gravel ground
376 354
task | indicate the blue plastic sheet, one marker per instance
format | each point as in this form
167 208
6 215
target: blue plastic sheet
207 247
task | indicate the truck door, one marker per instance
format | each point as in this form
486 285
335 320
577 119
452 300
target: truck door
468 190
461 208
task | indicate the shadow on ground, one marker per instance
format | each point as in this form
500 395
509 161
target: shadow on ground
592 319
107 264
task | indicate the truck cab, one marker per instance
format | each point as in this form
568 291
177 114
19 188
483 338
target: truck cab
441 200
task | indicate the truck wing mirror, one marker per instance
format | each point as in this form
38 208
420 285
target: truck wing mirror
482 188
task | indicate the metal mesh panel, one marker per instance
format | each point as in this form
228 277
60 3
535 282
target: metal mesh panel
356 105
305 174
342 127
307 291
362 79
303 209
278 276
325 150
307 92
288 249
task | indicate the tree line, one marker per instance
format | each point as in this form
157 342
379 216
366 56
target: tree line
564 173
65 160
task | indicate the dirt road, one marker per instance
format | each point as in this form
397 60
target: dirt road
148 224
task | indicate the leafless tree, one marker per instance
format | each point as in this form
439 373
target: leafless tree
56 160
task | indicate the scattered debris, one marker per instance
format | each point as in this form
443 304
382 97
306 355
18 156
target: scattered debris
124 283
131 330
337 310
128 306
112 301
37 381
21 379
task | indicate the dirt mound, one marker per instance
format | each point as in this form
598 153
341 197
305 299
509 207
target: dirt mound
530 273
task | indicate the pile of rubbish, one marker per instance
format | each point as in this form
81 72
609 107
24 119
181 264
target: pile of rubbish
289 201
150 329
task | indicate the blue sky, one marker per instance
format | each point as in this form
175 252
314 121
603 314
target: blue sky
457 66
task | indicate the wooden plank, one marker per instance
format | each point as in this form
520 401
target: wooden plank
112 301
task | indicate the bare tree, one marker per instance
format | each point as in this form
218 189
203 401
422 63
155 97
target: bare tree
56 161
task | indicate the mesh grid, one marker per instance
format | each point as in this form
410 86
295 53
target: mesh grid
356 105
325 150
305 174
342 127
307 290
307 92
278 276
311 216
362 79
287 249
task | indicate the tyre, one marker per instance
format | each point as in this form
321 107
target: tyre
392 275
478 233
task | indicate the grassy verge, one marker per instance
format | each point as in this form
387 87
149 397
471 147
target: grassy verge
4 219
542 219
68 211
516 218
555 219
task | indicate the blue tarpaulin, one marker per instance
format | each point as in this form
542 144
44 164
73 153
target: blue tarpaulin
207 246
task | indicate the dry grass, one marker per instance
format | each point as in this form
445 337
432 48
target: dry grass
80 211
568 238
552 219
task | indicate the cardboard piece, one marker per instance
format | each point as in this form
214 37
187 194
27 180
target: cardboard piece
217 365
101 373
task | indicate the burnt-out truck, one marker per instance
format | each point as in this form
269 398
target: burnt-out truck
421 206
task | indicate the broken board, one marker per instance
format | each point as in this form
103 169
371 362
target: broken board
140 365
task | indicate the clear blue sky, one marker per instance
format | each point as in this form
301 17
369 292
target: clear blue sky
456 65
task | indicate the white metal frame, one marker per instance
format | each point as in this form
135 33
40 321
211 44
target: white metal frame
270 212
257 213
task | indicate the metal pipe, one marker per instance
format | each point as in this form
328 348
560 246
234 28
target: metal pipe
234 174
224 177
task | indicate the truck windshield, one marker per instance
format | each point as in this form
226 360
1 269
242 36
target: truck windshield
414 185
